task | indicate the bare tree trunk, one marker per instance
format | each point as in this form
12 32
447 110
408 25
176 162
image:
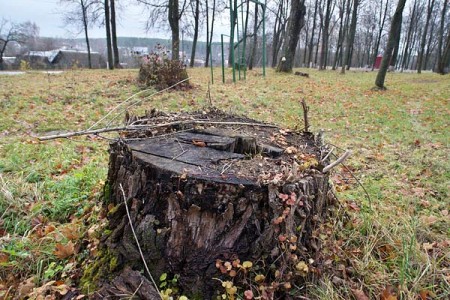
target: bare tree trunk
445 62
209 33
311 43
350 38
255 39
340 35
394 36
233 4
430 7
316 54
194 41
394 56
408 38
85 27
305 52
440 62
174 28
278 32
296 22
108 35
114 35
380 32
430 45
325 37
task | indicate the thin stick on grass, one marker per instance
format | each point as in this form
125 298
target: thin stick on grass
305 115
141 127
354 177
337 162
137 241
139 101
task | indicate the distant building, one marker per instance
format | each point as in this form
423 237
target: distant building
62 59
66 59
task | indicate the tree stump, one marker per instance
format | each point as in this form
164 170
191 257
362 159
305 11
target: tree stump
206 188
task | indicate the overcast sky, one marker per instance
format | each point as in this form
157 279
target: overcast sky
47 15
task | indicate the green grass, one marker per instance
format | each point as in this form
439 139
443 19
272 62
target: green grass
399 138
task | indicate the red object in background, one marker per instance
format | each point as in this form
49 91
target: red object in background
377 63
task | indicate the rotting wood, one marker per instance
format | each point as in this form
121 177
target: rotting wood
193 205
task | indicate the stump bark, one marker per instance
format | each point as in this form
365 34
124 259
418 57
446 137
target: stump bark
211 188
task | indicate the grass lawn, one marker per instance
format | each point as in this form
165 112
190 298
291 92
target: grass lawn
392 234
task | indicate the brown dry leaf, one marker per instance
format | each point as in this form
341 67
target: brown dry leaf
359 295
64 251
49 229
198 143
70 231
354 206
3 258
388 294
429 220
291 150
423 294
26 287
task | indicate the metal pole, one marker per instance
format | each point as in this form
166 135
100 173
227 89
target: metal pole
264 38
223 60
238 44
232 39
210 59
244 24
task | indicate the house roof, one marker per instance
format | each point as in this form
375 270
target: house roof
52 54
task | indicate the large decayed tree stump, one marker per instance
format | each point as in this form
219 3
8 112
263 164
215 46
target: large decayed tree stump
210 186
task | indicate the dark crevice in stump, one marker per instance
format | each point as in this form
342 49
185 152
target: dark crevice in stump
202 193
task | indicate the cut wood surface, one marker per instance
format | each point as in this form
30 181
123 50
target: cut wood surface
213 193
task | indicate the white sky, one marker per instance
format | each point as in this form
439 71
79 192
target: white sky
47 15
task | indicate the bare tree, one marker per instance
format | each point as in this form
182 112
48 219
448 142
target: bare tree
430 7
15 33
108 35
440 65
412 22
325 36
381 22
170 8
394 36
340 39
209 30
279 29
350 38
296 22
196 14
82 14
311 43
114 34
251 61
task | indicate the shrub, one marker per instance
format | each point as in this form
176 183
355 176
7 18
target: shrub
160 72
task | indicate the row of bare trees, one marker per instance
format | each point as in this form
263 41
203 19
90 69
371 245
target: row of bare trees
321 33
310 33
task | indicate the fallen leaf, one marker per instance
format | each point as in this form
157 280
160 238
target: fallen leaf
198 143
64 251
3 258
423 294
70 231
359 295
428 246
388 294
429 220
